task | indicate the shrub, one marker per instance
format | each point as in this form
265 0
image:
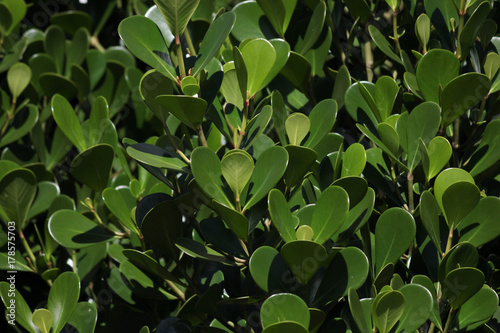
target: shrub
276 166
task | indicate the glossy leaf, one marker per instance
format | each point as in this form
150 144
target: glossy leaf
156 157
259 56
354 160
429 213
434 156
348 269
237 168
207 171
160 231
144 40
361 317
284 307
387 309
457 100
322 118
488 152
66 119
315 27
478 308
74 231
471 29
426 282
118 206
446 178
329 213
461 284
479 226
300 161
93 166
418 307
383 44
43 319
63 297
268 170
281 215
268 269
23 313
458 200
22 124
177 13
214 37
436 68
394 233
236 221
189 110
18 189
84 317
423 30
304 258
297 126
18 78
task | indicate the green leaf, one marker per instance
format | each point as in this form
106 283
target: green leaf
23 313
268 170
386 91
214 37
47 192
284 307
145 41
461 255
383 44
75 231
279 13
18 189
18 78
281 216
297 126
282 49
359 312
389 137
480 225
258 124
322 118
84 317
55 46
156 157
145 262
189 110
417 309
329 213
259 56
458 99
357 216
53 84
478 308
22 124
236 221
66 119
471 29
300 161
461 284
42 318
488 151
354 160
268 269
237 168
356 104
17 10
77 51
446 178
425 281
216 232
423 123
207 172
423 30
429 213
314 28
387 309
491 66
458 200
348 269
160 232
394 233
72 21
118 206
198 250
251 22
177 13
93 166
63 297
435 156
304 258
297 70
436 69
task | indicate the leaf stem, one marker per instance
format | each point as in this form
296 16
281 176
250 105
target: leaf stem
411 204
461 21
189 42
449 321
201 136
395 29
27 247
456 134
176 290
369 61
449 243
180 57
94 41
74 259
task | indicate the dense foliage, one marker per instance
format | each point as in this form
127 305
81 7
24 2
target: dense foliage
271 165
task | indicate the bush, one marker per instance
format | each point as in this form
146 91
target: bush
226 166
